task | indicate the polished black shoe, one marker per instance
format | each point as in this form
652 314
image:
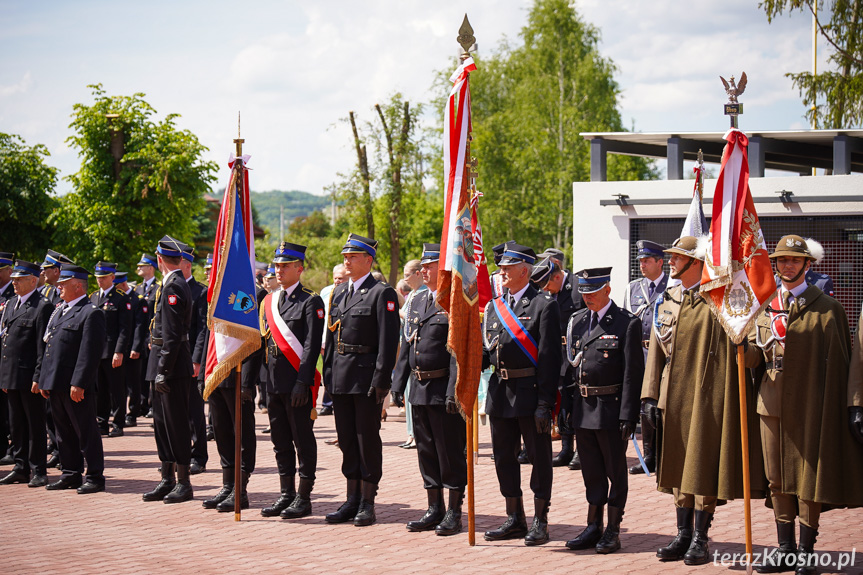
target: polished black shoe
116 432
678 547
195 468
266 429
538 534
515 526
149 414
566 452
610 540
91 487
65 483
288 493
575 463
433 515
783 558
15 476
131 422
699 552
211 435
7 460
366 512
326 410
592 533
38 480
227 505
54 461
451 523
348 510
301 506
807 561
523 458
222 494
637 469
183 490
165 486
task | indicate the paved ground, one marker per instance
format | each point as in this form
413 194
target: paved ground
116 532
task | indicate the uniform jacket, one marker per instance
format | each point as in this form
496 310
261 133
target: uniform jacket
570 301
140 322
636 300
6 295
821 461
611 355
199 318
51 293
117 308
22 343
424 348
150 296
73 348
691 371
821 281
519 397
370 318
303 312
171 324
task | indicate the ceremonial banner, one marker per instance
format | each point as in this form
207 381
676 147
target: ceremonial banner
232 314
737 280
696 224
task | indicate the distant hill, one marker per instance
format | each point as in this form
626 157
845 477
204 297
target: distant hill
296 203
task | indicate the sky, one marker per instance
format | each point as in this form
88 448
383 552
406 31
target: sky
295 69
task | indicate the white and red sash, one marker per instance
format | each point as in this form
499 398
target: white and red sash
778 319
288 343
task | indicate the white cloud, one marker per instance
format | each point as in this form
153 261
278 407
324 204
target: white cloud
19 87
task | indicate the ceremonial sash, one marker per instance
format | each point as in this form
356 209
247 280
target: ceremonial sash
288 343
778 321
516 330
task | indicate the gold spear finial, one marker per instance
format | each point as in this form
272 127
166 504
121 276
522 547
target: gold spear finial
465 37
239 141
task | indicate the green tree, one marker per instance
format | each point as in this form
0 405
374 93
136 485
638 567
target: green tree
26 185
840 22
139 180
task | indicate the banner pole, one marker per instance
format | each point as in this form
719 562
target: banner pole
476 430
238 426
471 535
744 439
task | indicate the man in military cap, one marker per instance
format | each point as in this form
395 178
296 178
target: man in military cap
111 385
170 366
691 380
148 288
197 419
811 458
292 321
522 340
74 341
133 365
640 297
7 291
359 356
50 273
438 428
604 348
22 325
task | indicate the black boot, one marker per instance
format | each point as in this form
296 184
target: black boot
183 490
648 442
287 495
366 512
592 533
165 486
785 557
227 487
806 559
699 552
515 525
538 534
610 541
301 506
566 452
451 523
227 505
349 508
575 463
433 515
678 547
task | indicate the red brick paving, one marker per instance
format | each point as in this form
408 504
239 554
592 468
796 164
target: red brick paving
116 532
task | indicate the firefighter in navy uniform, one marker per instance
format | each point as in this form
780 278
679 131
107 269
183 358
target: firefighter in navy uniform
522 340
51 273
148 288
136 346
640 298
359 357
290 379
438 428
604 348
111 385
7 260
197 420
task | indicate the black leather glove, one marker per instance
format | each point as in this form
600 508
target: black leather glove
379 394
247 394
563 422
161 384
542 418
201 388
651 412
627 428
299 395
855 420
398 399
451 404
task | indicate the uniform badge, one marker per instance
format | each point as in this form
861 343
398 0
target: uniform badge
145 309
320 314
172 300
364 290
128 306
605 354
802 301
391 306
494 325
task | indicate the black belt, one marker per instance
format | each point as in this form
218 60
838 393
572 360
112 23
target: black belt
344 348
433 374
775 364
588 390
160 341
504 373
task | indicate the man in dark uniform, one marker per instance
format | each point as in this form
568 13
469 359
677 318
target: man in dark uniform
50 274
137 343
359 356
197 419
170 366
640 297
74 340
21 329
438 428
111 385
522 340
604 347
7 260
292 322
148 288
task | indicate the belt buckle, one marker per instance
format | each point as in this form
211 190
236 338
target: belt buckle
340 347
418 374
583 390
777 363
504 374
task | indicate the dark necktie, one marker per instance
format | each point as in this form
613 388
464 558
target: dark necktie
650 290
283 298
350 291
594 320
17 305
789 299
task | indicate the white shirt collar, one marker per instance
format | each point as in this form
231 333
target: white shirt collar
517 295
658 280
601 313
359 282
290 289
796 292
75 301
23 298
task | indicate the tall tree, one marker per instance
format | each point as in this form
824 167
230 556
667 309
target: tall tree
26 185
139 180
840 90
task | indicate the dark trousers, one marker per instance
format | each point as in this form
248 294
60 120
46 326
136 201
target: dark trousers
222 407
603 461
27 423
358 428
564 421
5 445
327 401
198 426
111 390
78 436
441 441
171 422
49 425
506 434
134 378
293 435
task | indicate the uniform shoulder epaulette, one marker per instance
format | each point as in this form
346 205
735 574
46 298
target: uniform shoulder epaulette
309 291
94 293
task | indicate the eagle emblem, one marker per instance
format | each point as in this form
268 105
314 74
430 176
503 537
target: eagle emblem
734 89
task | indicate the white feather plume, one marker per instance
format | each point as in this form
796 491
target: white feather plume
701 247
816 249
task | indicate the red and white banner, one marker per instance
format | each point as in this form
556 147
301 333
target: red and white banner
737 278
